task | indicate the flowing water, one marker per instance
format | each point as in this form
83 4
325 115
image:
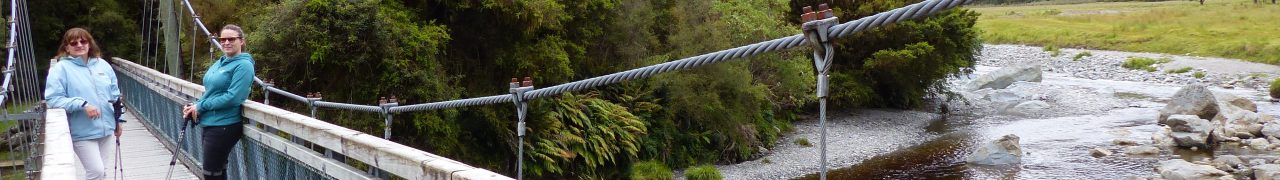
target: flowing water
1055 147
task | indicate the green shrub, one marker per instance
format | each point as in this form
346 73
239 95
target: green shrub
803 142
1081 55
898 67
583 135
651 170
703 172
1275 88
1179 70
1198 74
1143 63
1053 50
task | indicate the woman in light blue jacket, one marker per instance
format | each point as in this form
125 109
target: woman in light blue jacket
84 84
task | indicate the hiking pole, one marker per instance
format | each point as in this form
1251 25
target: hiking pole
118 105
186 120
118 162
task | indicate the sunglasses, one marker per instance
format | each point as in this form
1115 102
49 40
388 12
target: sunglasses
78 43
227 39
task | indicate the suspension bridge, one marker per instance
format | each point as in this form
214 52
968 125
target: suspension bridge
280 144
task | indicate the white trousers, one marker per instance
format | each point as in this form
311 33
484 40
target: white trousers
94 154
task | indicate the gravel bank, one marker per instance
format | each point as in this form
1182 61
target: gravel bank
853 136
1225 73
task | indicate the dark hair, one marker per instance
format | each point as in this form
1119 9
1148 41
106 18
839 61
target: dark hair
78 34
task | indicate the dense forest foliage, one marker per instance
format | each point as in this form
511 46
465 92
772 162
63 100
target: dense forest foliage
433 50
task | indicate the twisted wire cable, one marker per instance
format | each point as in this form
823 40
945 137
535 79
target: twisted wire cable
913 11
453 103
346 106
844 29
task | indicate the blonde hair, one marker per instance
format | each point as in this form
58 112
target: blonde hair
78 34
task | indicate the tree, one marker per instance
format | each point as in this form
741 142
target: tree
355 52
903 64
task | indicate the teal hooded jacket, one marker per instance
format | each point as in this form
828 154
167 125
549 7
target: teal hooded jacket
72 84
226 86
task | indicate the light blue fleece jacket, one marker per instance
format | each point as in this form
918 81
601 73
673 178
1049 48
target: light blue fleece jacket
226 86
72 83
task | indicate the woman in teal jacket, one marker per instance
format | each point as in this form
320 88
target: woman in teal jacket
84 85
226 86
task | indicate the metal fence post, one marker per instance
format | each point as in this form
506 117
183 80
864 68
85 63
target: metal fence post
518 88
311 102
815 29
266 93
386 105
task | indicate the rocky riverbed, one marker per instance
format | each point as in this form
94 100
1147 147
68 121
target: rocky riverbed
1078 106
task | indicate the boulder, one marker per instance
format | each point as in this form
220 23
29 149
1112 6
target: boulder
1234 101
1099 152
1259 144
1229 160
1188 140
1027 108
1266 171
1003 151
1238 122
1190 131
1003 77
1142 151
1192 99
1188 123
1178 169
1243 171
1271 129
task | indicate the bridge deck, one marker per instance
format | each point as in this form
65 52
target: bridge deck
144 156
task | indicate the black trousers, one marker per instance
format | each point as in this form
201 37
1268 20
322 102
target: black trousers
218 142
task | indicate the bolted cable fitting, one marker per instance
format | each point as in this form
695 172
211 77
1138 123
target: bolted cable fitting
518 90
816 27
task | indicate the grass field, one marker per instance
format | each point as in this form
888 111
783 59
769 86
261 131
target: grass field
1220 28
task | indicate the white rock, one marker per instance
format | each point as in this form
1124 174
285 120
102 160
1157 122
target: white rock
1003 77
1189 130
1178 169
1259 144
1228 160
1271 129
1142 150
1266 171
1005 150
1163 138
1099 152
